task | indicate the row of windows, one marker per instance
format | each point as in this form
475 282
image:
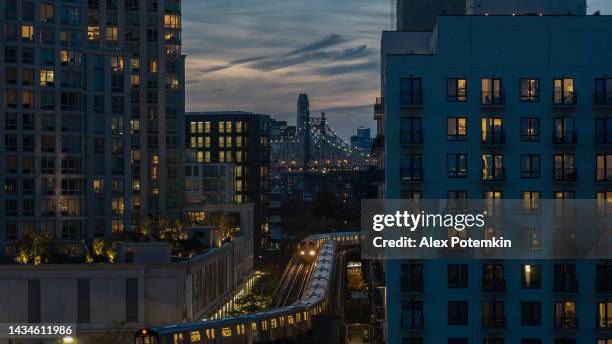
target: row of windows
564 277
564 130
201 127
493 168
493 315
70 229
492 91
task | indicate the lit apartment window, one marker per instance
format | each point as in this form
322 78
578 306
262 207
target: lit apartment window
47 13
492 130
603 167
457 313
153 66
603 91
47 77
530 129
491 91
411 167
603 130
530 276
565 167
530 202
563 92
604 341
411 278
457 129
493 277
411 131
27 33
564 130
411 91
530 166
112 33
27 99
493 314
98 186
531 313
118 206
456 90
412 314
530 90
604 315
457 275
172 21
492 167
70 207
457 166
117 63
117 226
565 315
565 278
93 32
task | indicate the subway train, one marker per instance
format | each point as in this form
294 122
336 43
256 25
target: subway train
307 250
272 325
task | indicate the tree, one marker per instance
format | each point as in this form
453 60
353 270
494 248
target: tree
35 247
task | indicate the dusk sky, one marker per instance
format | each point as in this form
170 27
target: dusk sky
257 55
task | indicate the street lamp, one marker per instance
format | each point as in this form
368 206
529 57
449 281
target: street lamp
68 340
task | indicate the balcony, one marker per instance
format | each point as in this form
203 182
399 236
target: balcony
602 99
493 138
565 174
603 175
564 99
492 98
566 323
379 108
489 322
494 285
569 137
497 174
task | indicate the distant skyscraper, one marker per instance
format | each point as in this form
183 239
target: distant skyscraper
303 111
363 139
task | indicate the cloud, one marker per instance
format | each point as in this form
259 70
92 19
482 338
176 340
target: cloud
333 39
331 55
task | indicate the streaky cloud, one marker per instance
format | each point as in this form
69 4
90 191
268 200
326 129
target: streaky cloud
331 40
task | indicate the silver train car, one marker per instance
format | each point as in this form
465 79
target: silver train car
272 325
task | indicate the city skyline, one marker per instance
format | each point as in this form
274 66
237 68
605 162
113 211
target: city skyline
268 57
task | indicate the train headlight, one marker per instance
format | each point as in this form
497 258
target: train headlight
302 252
312 253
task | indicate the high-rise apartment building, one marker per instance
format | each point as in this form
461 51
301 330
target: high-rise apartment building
91 116
242 139
515 105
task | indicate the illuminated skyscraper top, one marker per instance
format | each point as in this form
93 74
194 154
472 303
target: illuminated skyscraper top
303 111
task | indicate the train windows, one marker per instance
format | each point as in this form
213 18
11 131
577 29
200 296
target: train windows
264 325
298 317
226 332
253 326
210 333
282 321
178 338
240 329
305 315
273 323
195 336
290 320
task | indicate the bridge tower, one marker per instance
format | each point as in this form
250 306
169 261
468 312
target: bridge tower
303 127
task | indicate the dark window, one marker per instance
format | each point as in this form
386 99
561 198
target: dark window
411 194
457 276
530 276
456 90
458 341
412 340
411 167
530 90
493 314
603 279
531 341
565 278
412 277
603 130
603 91
456 195
531 313
457 166
411 91
411 130
566 341
493 277
457 312
412 314
457 129
488 340
530 166
564 131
